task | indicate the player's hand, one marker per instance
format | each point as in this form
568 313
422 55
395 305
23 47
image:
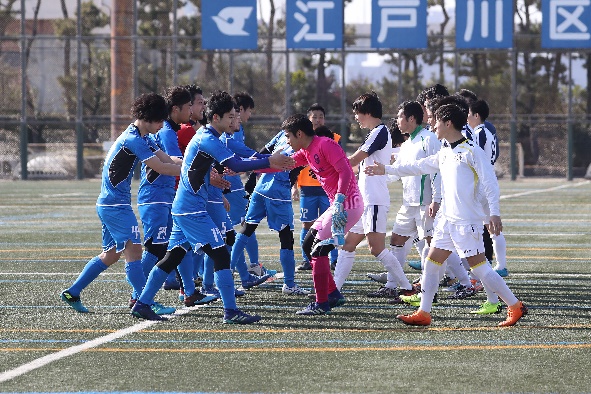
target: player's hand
339 215
433 208
375 169
495 226
281 162
295 193
215 179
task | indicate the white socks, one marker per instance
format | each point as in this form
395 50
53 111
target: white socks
494 283
500 250
344 264
395 273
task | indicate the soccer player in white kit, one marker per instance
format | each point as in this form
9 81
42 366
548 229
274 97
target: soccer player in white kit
464 173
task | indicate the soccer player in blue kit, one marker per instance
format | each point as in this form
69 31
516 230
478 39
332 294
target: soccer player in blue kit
192 225
120 229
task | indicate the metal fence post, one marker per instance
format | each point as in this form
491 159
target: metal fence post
569 132
79 103
23 120
513 138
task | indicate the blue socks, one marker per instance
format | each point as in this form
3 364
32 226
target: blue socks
90 272
155 281
148 262
208 276
225 284
252 248
237 260
185 269
303 234
287 258
135 276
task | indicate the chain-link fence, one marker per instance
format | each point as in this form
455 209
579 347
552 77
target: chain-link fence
68 76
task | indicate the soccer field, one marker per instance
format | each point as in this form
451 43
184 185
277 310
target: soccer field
49 230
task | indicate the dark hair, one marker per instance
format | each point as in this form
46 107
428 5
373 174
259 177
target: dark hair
177 96
368 103
219 103
469 95
455 100
194 90
323 131
149 107
397 137
244 100
481 108
298 122
454 113
316 107
437 90
414 109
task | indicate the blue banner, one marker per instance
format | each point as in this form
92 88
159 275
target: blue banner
229 24
566 24
484 24
314 24
399 24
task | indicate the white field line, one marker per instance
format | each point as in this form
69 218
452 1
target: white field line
544 190
40 362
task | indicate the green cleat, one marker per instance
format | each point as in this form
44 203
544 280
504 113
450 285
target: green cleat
74 302
415 299
488 308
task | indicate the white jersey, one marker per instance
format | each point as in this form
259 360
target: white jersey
465 171
487 141
422 189
378 145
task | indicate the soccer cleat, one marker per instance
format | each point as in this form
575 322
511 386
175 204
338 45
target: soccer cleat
181 295
463 292
198 299
210 291
477 285
160 309
315 308
172 285
336 300
419 318
415 265
305 266
74 302
380 278
294 290
488 308
502 272
415 299
259 270
254 280
238 293
144 311
236 316
514 313
453 288
447 281
384 292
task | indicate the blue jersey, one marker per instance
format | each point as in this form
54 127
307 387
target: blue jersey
235 143
129 148
276 185
155 187
204 149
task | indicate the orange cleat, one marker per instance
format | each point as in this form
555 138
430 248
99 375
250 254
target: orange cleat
514 313
419 318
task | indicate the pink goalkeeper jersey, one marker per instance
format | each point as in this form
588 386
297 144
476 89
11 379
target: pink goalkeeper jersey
327 159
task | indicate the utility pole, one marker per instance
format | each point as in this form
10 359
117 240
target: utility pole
122 72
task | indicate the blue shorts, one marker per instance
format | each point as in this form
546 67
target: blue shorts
197 230
119 225
279 213
220 217
157 222
237 206
311 207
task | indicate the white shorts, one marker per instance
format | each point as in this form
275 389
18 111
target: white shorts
373 220
413 220
466 239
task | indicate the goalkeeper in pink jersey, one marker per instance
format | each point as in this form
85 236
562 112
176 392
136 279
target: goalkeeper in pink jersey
331 166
